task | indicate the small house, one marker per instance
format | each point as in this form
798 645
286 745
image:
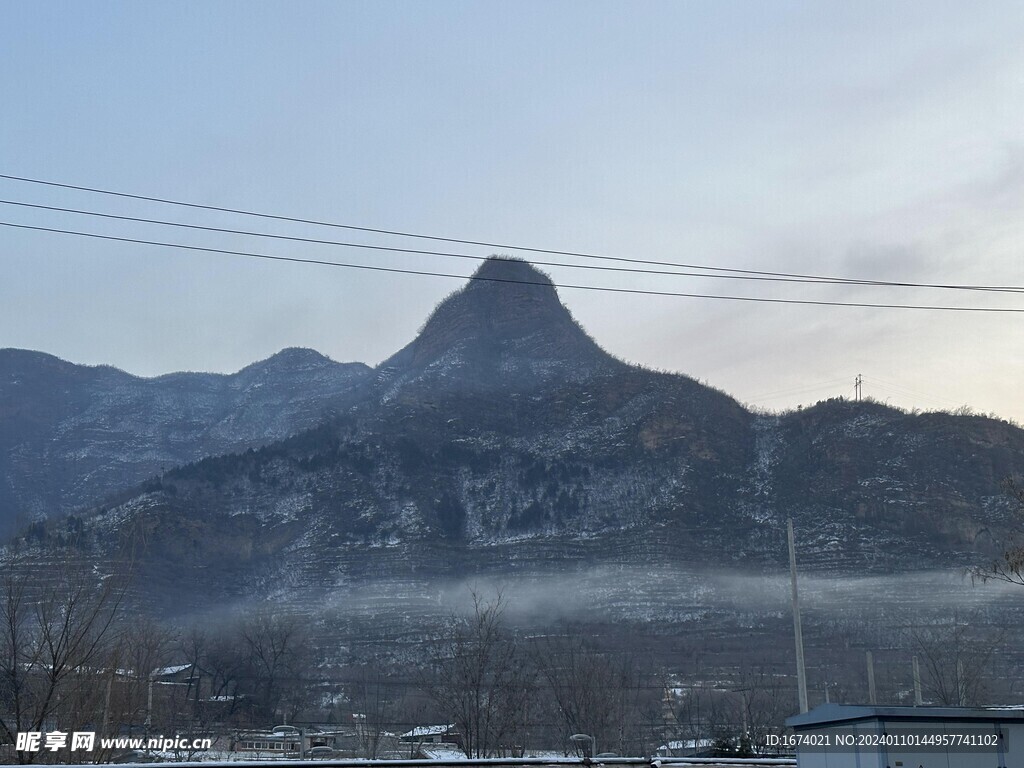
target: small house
857 736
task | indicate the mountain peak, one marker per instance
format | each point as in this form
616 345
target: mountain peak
294 357
509 309
510 270
296 361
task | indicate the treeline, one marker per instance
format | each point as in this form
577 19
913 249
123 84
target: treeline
74 657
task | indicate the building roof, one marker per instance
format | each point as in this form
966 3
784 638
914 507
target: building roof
827 714
446 752
161 671
687 744
429 730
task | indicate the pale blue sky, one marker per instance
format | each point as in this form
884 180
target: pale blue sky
878 140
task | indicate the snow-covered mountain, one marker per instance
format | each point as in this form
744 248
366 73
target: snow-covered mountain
71 434
503 440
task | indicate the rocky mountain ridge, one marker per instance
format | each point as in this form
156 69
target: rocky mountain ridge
503 440
72 434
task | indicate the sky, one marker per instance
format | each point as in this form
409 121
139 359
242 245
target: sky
870 140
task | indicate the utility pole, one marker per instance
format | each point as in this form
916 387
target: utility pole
858 384
149 704
872 698
801 674
106 700
918 700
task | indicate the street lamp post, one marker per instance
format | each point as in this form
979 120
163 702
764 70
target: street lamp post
581 739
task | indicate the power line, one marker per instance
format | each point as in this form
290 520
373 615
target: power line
630 270
796 390
505 246
545 284
249 233
903 391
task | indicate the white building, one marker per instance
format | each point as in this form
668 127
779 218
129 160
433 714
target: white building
849 736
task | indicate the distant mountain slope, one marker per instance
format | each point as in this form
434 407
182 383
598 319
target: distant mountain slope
876 488
71 434
503 440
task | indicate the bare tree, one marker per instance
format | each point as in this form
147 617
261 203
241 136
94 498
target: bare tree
1009 567
956 660
704 714
224 664
56 625
191 649
766 700
278 654
142 647
481 683
136 648
375 700
595 691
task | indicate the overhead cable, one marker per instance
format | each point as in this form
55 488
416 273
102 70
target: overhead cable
391 249
545 284
503 246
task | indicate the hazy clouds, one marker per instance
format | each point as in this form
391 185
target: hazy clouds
866 140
